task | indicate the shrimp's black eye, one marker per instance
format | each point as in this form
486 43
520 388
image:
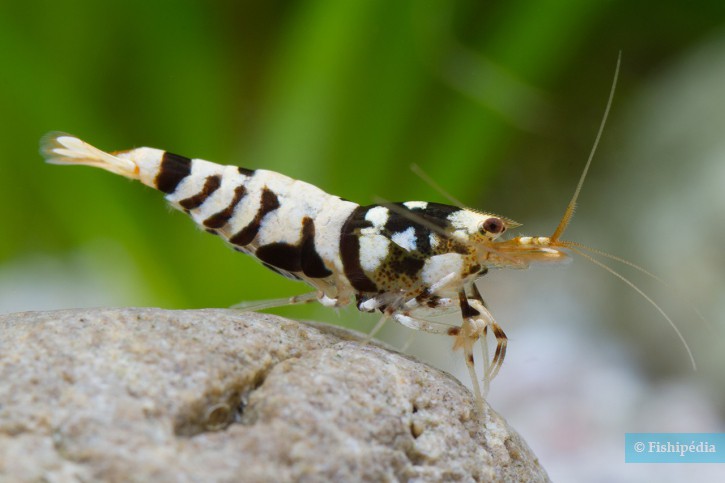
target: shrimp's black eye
493 225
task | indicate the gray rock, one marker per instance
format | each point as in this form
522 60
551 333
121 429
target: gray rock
221 395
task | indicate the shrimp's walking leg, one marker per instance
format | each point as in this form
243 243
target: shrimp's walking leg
475 300
271 303
466 336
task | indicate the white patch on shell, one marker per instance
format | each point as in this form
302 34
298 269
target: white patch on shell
467 220
378 216
438 267
297 200
373 250
412 205
406 239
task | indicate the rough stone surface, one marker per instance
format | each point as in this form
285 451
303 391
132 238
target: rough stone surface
219 395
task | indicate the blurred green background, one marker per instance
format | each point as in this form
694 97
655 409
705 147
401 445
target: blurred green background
498 101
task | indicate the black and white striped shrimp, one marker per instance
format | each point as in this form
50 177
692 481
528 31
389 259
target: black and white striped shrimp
407 260
403 259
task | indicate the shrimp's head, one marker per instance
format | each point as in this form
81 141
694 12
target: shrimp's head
484 232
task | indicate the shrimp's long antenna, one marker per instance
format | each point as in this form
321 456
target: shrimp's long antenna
641 293
570 244
601 253
569 213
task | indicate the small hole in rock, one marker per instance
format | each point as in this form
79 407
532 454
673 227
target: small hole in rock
217 411
217 417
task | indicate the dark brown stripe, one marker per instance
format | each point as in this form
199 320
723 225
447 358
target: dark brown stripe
218 220
245 171
301 257
466 310
211 184
350 250
268 203
499 333
281 255
172 170
476 295
311 261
